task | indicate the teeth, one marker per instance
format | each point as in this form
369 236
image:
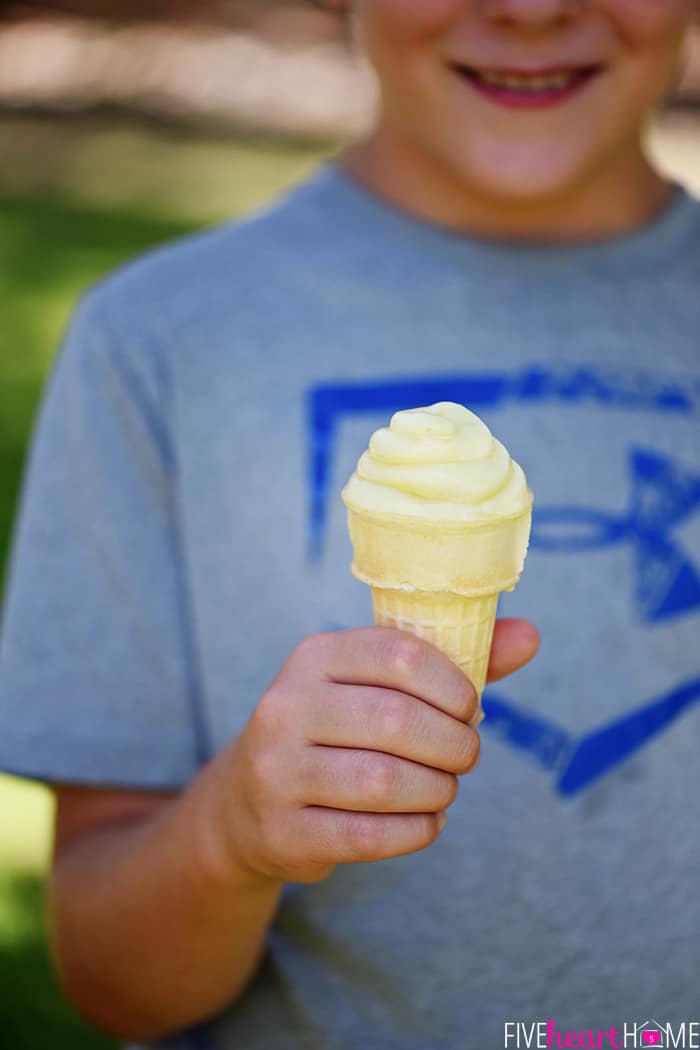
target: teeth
518 82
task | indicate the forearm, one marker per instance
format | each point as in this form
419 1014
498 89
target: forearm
152 929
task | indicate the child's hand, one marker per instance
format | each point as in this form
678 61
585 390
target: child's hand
353 751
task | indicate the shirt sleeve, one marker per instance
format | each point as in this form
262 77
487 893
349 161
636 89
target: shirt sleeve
97 677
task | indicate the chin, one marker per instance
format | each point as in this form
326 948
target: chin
507 188
520 175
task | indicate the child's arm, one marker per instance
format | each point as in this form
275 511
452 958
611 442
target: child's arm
351 755
149 932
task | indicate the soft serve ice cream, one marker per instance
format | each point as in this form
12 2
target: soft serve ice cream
441 463
439 516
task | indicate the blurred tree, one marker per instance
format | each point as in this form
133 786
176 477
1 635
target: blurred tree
236 12
293 21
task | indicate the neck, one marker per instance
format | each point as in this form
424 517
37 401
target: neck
615 201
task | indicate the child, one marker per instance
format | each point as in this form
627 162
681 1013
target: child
181 653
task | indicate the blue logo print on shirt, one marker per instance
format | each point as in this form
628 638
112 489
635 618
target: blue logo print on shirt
663 495
577 763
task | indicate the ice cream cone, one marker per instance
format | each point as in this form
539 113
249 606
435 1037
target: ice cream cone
441 581
461 627
439 517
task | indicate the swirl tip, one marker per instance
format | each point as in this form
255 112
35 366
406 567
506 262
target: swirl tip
419 423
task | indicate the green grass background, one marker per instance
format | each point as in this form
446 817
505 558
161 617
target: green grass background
77 197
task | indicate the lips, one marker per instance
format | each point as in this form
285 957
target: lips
528 89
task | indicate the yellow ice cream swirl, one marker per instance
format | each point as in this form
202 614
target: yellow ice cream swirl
439 462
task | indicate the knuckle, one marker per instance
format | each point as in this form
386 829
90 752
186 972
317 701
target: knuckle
309 647
378 778
393 716
264 764
267 844
406 654
318 845
312 774
365 836
273 710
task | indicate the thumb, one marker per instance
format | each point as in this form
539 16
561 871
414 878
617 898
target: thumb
515 642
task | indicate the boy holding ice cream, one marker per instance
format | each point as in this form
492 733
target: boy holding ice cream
249 843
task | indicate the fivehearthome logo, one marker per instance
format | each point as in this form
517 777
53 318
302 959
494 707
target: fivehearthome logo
548 1035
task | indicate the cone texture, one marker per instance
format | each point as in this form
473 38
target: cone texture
461 627
441 581
472 559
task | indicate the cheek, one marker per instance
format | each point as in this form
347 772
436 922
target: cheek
401 22
399 38
651 32
647 22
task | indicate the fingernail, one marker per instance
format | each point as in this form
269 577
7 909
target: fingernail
441 819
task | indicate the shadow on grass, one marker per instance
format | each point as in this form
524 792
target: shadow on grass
33 1013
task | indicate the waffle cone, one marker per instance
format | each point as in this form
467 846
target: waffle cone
441 581
461 627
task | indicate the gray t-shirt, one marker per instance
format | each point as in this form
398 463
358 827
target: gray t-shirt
181 530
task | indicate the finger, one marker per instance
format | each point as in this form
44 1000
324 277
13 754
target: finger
339 836
347 778
378 719
386 656
515 642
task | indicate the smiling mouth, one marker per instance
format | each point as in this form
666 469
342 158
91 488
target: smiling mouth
522 89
